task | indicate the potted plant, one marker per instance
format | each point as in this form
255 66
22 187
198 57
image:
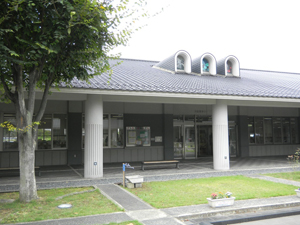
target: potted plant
220 199
298 192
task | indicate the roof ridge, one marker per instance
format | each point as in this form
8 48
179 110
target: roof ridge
140 60
271 71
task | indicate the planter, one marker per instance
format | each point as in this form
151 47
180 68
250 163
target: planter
298 192
220 202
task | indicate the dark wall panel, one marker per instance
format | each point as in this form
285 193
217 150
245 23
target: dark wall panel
74 138
243 136
168 137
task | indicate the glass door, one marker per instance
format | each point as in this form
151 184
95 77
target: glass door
232 131
189 144
178 142
204 140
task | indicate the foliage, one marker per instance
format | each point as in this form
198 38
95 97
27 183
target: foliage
294 159
220 195
49 43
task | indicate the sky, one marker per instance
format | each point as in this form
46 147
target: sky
262 34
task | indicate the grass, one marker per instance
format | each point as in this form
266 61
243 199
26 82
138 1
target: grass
195 191
89 203
288 176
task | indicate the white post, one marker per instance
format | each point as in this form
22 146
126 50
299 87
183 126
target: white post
220 136
93 152
1 132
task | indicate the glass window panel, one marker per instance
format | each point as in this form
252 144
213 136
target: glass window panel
190 149
178 118
59 131
205 65
117 131
229 67
105 130
45 133
259 130
286 134
189 118
294 130
180 63
10 138
138 136
277 130
251 132
178 138
268 130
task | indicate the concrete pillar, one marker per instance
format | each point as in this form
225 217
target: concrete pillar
220 135
93 151
1 132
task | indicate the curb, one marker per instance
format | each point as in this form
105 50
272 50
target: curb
238 211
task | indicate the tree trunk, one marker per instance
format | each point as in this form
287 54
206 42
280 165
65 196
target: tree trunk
27 145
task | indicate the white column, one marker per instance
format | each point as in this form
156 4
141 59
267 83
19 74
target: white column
220 135
1 132
93 150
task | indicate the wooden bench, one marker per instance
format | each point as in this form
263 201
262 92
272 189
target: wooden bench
160 162
37 169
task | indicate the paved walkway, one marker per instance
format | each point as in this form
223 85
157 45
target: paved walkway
136 209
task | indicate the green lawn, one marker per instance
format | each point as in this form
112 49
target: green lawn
45 207
195 191
288 176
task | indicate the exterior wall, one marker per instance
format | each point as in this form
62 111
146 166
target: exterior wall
133 154
272 150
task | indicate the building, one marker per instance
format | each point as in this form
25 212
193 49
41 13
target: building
177 108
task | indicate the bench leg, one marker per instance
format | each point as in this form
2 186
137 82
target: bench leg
177 165
143 167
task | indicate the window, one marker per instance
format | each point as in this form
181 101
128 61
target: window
251 130
45 133
138 136
180 63
277 130
268 130
117 132
10 138
294 130
52 132
229 67
59 131
205 65
113 131
105 130
286 134
259 130
273 130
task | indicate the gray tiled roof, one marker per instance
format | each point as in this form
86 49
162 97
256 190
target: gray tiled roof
138 75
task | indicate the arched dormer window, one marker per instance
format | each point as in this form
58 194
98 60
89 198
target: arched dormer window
183 62
205 65
208 64
232 66
180 63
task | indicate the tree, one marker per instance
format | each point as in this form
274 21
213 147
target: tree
44 43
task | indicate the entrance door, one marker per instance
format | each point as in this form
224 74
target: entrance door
190 143
178 142
232 140
205 147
